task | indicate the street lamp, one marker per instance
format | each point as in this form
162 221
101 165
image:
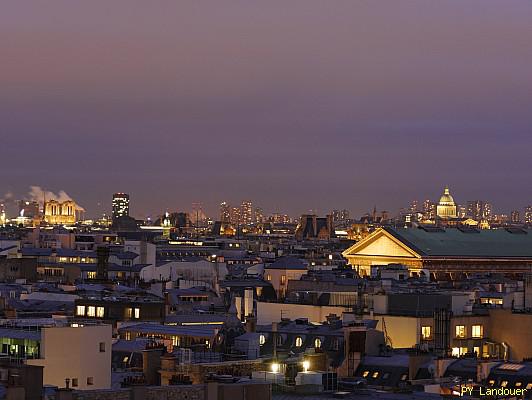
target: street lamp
275 367
306 365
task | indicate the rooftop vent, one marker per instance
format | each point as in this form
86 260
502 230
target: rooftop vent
432 229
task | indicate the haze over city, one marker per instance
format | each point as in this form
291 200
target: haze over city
296 105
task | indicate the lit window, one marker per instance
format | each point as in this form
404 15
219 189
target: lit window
455 352
491 382
175 340
425 332
100 312
262 339
317 343
90 381
529 386
504 384
365 374
476 350
460 331
268 278
137 313
375 375
518 384
283 279
91 311
299 341
129 312
477 331
80 310
91 275
404 376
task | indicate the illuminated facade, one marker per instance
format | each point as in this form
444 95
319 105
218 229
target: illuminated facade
446 207
120 205
57 213
443 253
3 217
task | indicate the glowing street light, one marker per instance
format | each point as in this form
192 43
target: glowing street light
306 365
275 368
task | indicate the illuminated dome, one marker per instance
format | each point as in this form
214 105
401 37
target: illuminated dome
446 199
446 207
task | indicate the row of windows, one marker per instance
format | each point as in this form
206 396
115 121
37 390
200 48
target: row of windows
504 384
298 341
90 311
376 374
99 312
477 332
90 381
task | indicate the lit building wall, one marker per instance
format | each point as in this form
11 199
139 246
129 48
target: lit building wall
120 205
81 354
57 213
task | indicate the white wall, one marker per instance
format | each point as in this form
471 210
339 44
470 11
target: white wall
271 312
68 352
203 271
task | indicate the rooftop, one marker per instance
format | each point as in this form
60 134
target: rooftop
494 243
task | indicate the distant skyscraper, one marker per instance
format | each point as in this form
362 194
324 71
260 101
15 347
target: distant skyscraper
235 216
246 212
120 205
515 218
414 207
197 215
429 210
259 215
479 210
340 215
28 209
225 212
528 215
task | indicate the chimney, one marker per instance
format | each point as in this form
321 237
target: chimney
102 253
151 364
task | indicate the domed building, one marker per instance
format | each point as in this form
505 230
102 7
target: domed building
446 208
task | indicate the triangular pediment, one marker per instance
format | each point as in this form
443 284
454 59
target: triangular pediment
380 243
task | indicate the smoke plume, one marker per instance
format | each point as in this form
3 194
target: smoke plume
39 195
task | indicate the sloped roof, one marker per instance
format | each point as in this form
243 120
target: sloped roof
452 242
287 263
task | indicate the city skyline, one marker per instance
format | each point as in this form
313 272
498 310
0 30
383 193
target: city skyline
36 193
288 104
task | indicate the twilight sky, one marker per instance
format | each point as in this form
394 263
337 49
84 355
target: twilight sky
296 104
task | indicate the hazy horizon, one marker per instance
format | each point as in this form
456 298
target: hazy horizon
295 105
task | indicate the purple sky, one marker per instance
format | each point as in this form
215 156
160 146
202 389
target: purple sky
295 104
